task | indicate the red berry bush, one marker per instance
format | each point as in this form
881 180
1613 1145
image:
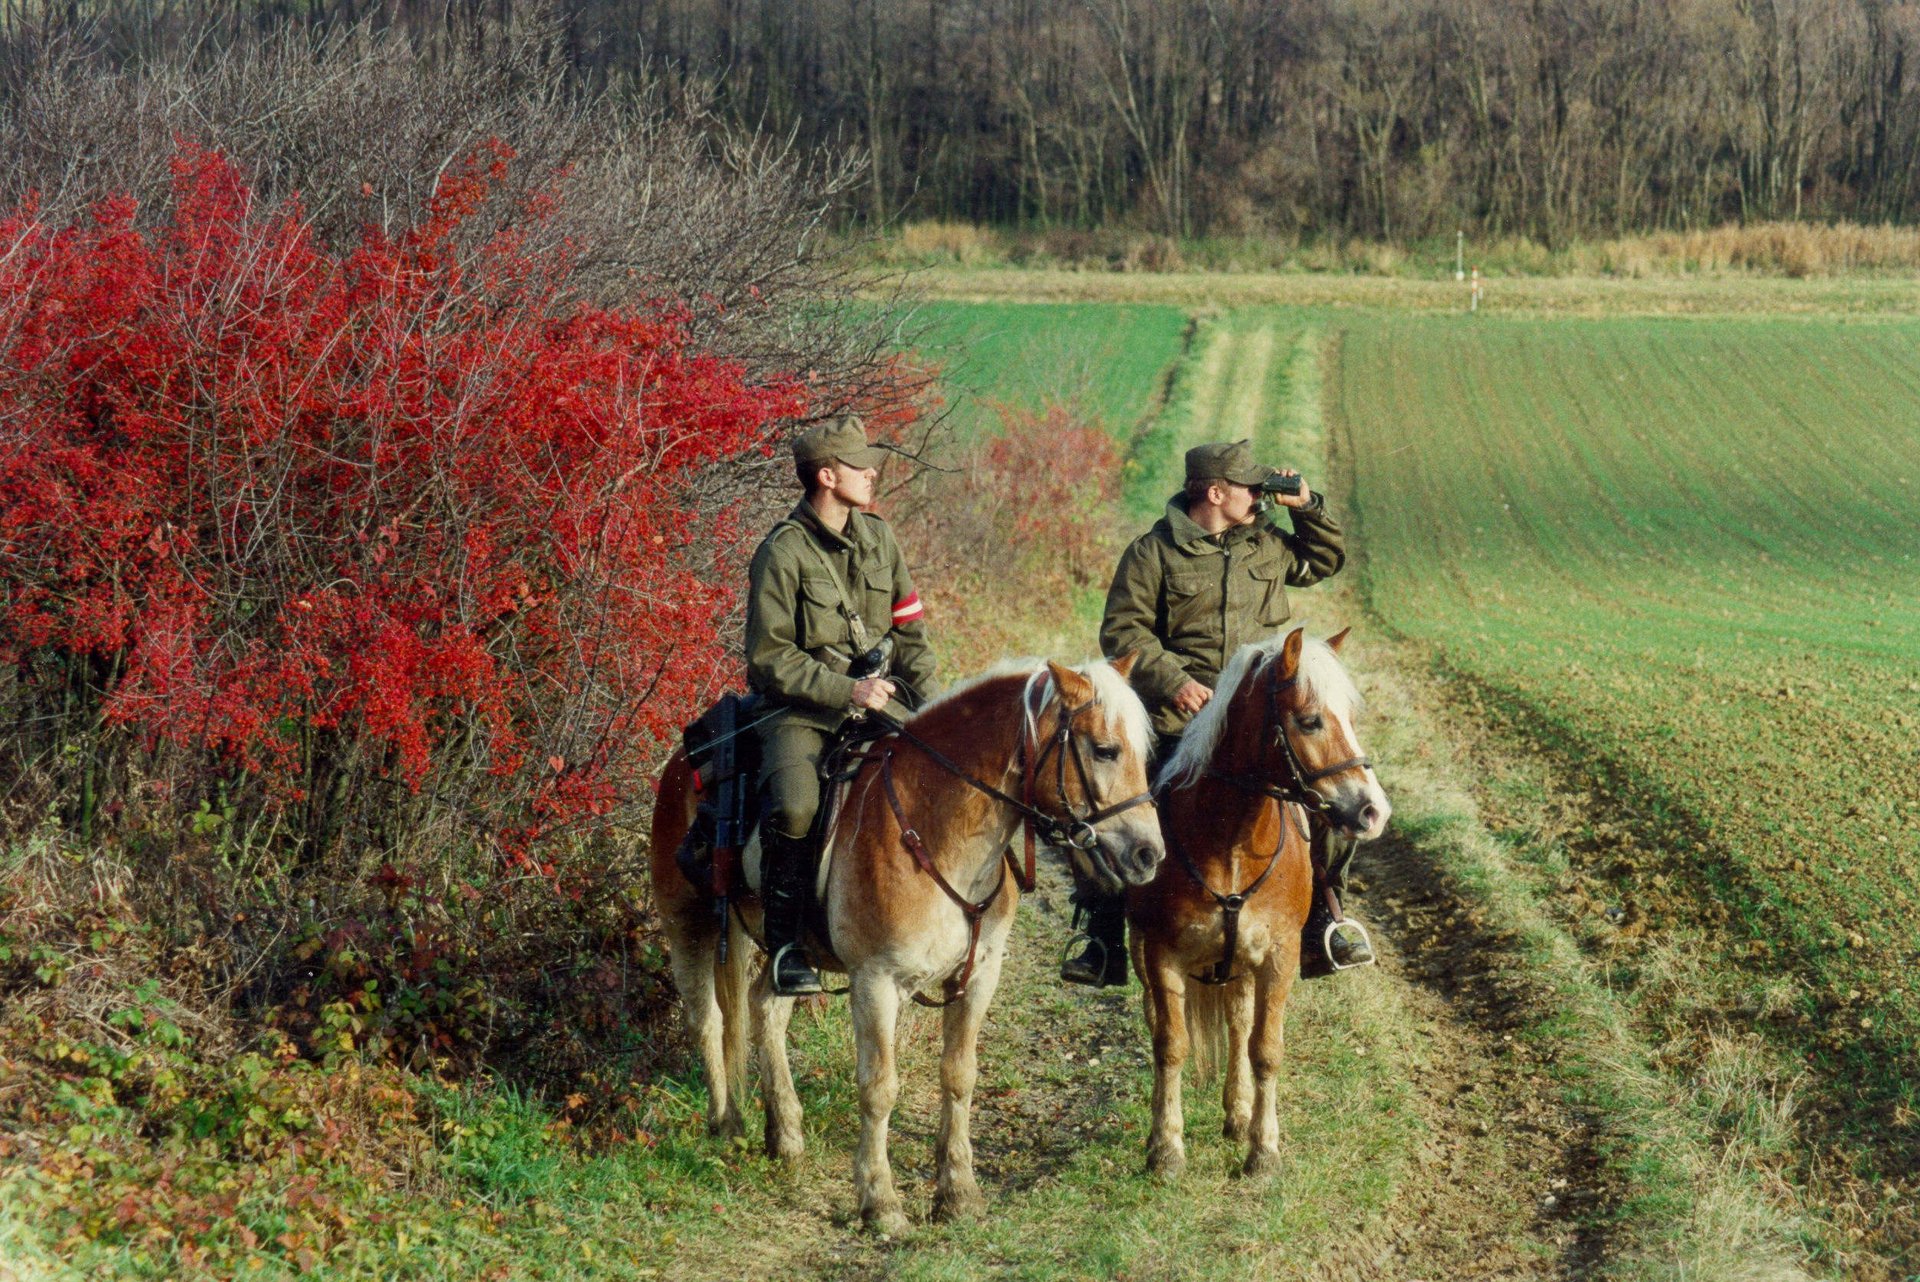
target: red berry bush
354 549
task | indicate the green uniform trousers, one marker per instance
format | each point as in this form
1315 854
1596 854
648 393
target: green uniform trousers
790 775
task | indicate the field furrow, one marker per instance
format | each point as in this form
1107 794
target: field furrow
1680 557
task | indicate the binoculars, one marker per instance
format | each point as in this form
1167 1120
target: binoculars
1278 484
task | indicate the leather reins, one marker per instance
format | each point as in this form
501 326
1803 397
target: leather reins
1297 790
1074 830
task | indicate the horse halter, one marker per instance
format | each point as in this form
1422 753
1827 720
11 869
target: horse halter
1075 830
1298 788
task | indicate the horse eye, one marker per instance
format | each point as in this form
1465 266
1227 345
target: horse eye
1106 752
1312 725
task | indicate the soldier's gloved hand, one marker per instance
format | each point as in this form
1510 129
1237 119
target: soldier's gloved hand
872 693
1192 697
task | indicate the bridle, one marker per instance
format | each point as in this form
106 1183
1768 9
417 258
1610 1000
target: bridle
1073 829
1296 790
1298 786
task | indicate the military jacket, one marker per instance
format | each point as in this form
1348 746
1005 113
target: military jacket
800 638
1183 600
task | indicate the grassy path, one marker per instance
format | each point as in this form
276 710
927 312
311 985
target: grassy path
1475 1107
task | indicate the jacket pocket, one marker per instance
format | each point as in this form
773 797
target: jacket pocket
1270 592
821 623
1193 603
877 609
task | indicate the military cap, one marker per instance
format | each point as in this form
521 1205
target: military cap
1226 461
841 438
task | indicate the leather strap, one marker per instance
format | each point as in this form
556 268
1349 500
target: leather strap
1230 905
910 838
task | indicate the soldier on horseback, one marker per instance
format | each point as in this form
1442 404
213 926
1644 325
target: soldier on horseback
1209 577
827 584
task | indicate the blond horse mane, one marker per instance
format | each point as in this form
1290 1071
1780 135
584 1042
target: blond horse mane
1110 691
1322 679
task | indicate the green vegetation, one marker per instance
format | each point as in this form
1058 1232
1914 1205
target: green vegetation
1646 710
1685 552
1108 363
1680 558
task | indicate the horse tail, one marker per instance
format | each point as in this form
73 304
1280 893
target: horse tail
709 988
1207 1028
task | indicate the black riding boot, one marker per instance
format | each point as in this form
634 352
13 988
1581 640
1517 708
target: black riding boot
1103 962
783 903
1323 952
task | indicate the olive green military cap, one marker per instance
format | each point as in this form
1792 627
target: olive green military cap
841 438
1226 461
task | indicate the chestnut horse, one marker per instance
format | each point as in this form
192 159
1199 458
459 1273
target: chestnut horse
1216 935
918 888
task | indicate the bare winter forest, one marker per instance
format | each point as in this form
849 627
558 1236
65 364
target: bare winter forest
1380 118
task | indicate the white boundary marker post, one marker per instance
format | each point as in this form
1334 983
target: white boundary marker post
1473 301
1460 255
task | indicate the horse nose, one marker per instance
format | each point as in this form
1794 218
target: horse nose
1146 858
1369 816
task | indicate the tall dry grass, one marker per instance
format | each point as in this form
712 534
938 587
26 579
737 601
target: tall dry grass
1793 250
1787 249
946 241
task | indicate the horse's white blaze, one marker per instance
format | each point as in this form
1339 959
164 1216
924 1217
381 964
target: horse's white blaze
1358 793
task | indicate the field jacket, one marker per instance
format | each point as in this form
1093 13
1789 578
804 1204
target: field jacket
800 639
1183 600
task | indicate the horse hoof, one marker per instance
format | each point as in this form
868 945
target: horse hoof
1261 1163
785 1151
891 1223
1166 1164
965 1204
727 1128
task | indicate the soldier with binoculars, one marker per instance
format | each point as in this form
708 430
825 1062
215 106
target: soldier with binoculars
1209 577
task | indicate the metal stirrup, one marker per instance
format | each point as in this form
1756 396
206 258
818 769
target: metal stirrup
773 971
1326 945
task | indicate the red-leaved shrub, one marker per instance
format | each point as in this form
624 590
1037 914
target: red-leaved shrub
378 542
1007 542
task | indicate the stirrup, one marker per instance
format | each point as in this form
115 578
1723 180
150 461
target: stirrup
807 987
1326 945
1100 977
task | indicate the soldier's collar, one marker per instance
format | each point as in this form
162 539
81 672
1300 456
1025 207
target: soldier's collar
803 512
1186 532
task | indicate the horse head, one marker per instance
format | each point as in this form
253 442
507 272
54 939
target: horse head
1314 702
1287 727
1090 739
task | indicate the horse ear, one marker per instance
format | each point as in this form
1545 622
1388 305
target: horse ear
1334 641
1074 688
1290 654
1124 664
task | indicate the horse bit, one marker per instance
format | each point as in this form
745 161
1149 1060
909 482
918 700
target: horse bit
1075 830
1297 791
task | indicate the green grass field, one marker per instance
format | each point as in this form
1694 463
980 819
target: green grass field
1107 361
1685 554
